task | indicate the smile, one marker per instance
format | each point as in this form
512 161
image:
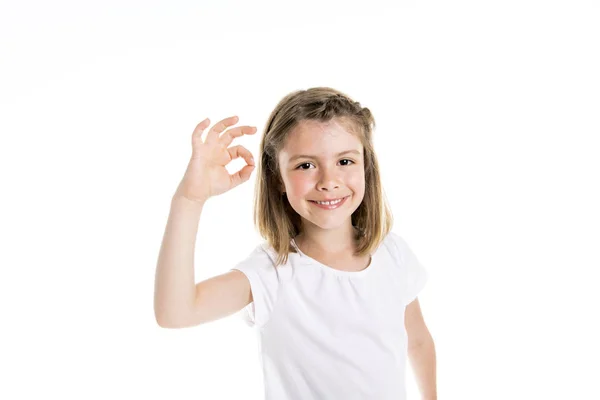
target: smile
331 204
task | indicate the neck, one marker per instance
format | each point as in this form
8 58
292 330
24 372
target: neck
330 241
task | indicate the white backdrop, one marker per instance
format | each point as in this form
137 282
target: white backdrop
487 127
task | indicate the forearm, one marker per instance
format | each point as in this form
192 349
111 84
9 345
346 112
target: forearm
175 288
423 362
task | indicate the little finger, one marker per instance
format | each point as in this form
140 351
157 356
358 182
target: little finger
197 134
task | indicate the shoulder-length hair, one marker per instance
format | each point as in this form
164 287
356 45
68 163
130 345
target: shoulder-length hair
276 220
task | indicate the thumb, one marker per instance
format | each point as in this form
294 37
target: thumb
241 176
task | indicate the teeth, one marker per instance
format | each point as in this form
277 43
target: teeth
328 203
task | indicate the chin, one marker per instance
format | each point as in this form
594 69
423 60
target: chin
328 225
327 222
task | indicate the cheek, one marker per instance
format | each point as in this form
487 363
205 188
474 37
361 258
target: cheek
357 182
300 184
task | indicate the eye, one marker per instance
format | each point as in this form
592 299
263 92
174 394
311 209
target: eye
304 166
349 162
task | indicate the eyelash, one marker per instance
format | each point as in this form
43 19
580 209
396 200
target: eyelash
305 169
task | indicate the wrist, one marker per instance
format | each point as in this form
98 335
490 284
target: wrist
180 200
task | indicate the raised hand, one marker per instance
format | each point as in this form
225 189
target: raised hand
206 174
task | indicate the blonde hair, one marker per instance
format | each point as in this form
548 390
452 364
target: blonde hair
274 217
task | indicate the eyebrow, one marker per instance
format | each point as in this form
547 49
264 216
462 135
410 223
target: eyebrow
314 157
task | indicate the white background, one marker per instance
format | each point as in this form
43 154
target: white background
487 126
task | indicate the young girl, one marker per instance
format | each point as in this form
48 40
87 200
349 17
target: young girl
331 291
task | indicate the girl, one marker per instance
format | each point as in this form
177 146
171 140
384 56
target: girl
331 291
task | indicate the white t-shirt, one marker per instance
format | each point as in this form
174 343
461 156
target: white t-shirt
326 334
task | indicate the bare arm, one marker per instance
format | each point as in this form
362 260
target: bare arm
421 351
174 287
422 359
178 300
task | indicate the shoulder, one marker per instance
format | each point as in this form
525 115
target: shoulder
394 238
259 258
266 279
402 244
262 261
394 243
398 247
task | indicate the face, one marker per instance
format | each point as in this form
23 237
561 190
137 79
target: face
322 161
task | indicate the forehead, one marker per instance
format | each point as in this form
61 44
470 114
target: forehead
320 138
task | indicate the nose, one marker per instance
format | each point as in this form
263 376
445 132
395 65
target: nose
328 181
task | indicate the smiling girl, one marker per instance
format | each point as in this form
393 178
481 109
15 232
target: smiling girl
331 291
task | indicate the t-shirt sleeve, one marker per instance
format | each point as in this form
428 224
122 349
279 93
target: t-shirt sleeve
264 284
413 271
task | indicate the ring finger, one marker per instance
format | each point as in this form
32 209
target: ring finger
215 131
238 131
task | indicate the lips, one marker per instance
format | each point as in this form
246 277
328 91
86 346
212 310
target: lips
329 200
331 204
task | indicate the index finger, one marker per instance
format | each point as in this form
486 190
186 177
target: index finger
238 131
